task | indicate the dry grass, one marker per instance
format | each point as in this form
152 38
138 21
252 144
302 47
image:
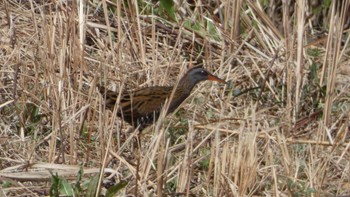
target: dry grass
281 128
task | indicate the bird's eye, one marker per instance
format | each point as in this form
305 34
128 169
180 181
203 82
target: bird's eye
203 72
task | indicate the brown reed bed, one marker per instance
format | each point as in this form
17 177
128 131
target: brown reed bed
280 128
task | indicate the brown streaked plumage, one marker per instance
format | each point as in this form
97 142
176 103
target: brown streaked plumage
142 107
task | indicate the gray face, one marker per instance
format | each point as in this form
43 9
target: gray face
195 75
198 74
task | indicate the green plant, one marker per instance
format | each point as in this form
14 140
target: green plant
60 186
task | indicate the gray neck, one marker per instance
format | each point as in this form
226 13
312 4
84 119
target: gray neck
183 90
186 84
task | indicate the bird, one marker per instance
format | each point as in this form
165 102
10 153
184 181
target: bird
142 107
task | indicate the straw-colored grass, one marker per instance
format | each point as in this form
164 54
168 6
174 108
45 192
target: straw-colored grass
280 128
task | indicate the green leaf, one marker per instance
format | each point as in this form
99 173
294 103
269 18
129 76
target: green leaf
112 191
314 52
6 184
92 186
66 188
314 71
212 30
168 6
210 113
80 174
55 180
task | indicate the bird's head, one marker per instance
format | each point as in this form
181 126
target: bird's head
198 73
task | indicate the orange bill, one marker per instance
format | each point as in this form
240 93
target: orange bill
214 78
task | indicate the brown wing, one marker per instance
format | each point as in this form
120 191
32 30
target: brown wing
150 99
140 107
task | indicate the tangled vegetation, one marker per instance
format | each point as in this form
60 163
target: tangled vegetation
279 128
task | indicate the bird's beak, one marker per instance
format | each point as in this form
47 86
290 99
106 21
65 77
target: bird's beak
215 78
